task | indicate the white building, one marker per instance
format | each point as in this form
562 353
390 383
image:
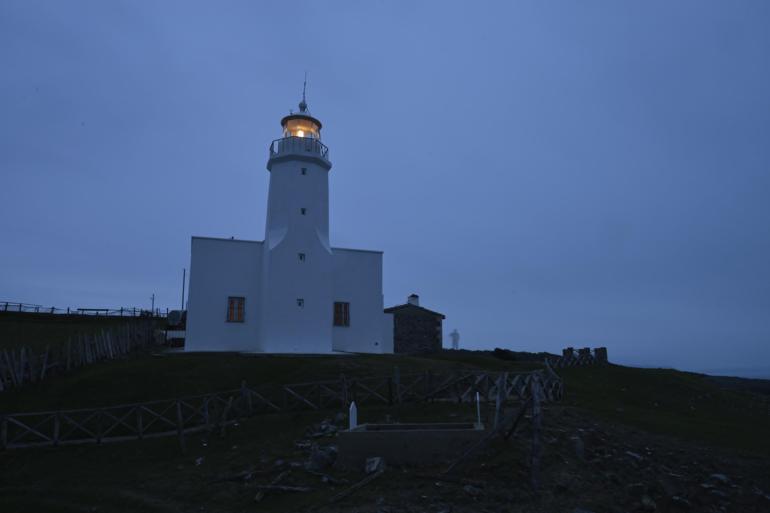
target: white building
292 292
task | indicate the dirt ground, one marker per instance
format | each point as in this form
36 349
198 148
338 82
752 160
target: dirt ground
587 466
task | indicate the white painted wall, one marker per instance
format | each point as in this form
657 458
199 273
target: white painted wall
220 268
358 281
287 327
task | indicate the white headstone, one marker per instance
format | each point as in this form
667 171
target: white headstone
353 416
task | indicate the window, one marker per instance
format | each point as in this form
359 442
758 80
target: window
304 170
341 314
303 211
235 308
301 257
300 302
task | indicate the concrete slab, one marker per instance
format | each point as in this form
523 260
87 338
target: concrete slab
406 444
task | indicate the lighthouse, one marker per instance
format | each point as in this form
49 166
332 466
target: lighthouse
297 256
293 292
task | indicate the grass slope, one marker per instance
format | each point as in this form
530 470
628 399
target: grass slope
37 330
149 377
686 405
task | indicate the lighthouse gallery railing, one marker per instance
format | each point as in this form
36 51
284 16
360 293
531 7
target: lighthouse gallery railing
306 145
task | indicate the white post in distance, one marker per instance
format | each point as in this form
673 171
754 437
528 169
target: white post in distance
353 416
478 409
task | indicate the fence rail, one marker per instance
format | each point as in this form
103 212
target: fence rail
20 366
10 306
182 416
584 356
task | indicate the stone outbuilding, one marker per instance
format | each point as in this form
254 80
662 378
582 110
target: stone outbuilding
415 328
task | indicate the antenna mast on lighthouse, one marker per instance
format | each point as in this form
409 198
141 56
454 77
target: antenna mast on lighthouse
303 104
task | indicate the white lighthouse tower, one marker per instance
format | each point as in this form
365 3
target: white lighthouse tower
292 292
297 256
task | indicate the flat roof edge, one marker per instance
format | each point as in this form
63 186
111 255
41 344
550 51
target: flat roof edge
360 250
227 240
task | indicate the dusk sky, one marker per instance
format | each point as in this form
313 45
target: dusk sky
546 174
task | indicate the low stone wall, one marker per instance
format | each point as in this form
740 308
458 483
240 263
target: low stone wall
583 356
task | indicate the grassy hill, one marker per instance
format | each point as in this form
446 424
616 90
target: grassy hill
686 405
146 377
36 330
697 418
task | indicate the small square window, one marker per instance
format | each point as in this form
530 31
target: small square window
341 314
235 308
300 302
301 257
303 211
304 170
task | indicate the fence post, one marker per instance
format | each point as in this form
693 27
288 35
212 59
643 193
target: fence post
499 398
206 418
99 427
180 426
397 383
536 426
246 397
139 423
3 432
56 428
344 390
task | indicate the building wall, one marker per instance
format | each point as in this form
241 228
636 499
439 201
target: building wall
416 331
288 327
220 268
357 279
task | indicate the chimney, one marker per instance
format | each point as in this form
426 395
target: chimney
413 299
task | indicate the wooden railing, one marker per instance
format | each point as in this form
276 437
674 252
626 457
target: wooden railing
179 417
10 306
22 365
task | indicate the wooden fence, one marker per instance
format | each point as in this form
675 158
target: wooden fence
10 306
579 358
179 417
19 366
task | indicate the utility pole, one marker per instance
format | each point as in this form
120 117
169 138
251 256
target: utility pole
184 277
153 303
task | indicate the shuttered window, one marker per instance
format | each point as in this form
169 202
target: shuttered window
235 308
341 314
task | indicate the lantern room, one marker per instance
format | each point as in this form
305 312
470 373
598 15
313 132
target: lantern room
301 124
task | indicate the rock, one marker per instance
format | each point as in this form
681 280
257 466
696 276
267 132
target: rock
636 489
473 491
332 480
680 502
634 456
648 504
579 447
719 479
374 464
718 494
303 445
321 458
